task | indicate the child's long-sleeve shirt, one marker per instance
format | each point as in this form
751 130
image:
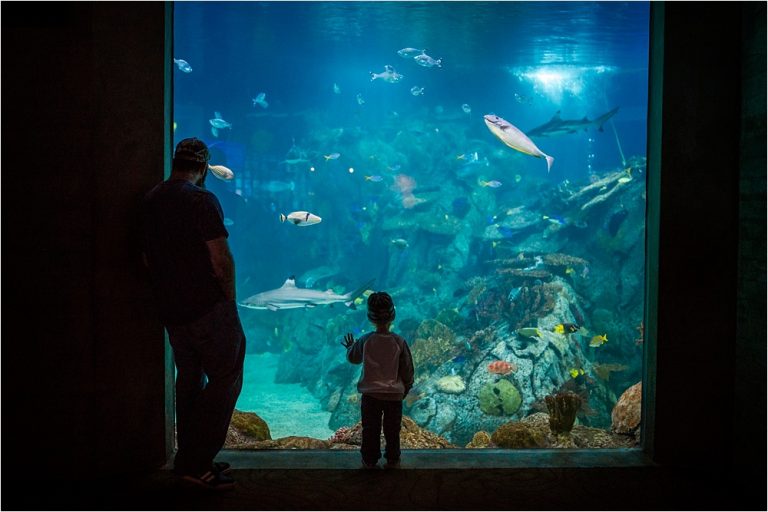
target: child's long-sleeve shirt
387 365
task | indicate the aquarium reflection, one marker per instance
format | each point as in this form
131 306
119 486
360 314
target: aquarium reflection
482 162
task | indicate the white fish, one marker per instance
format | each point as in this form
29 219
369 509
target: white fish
289 296
360 99
260 99
466 108
407 53
228 222
388 75
300 218
336 89
514 138
183 65
417 91
218 122
221 172
427 61
277 186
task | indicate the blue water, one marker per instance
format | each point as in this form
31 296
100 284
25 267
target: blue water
521 61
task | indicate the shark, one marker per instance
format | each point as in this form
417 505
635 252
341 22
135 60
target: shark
289 296
558 126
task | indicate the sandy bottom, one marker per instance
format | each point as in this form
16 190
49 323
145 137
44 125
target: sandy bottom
288 409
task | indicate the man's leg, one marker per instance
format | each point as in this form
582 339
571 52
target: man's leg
370 410
222 355
189 384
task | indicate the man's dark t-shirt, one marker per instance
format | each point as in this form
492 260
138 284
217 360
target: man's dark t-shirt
179 218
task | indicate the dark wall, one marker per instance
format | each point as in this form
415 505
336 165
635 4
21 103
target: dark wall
750 354
711 371
82 139
698 233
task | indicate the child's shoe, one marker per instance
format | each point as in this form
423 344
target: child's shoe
370 466
392 464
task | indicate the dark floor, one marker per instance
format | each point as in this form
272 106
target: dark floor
299 481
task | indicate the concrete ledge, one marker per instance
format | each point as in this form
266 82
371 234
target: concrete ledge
439 459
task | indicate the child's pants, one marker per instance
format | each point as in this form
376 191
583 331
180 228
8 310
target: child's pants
371 410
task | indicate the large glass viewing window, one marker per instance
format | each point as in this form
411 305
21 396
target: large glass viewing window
482 162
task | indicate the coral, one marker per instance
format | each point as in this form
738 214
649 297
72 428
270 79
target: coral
480 440
477 286
562 411
532 303
522 261
518 435
625 417
499 398
489 306
597 185
563 260
544 275
450 317
412 436
251 425
452 384
435 344
479 338
292 443
342 435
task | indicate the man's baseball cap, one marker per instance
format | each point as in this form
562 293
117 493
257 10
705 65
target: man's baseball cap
192 149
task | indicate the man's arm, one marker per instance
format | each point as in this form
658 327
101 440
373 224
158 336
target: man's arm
223 265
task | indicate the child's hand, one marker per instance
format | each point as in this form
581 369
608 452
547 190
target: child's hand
349 340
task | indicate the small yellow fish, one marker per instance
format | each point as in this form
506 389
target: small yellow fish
559 329
569 271
174 126
358 301
599 340
575 372
367 293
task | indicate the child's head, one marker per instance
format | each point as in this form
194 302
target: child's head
381 309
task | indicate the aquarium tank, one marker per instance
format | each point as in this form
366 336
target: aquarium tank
482 162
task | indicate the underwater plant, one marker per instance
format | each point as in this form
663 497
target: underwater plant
562 411
531 303
435 344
